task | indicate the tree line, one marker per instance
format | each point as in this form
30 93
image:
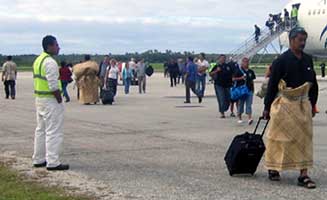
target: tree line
151 56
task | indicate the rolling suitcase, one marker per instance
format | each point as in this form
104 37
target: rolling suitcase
107 97
245 152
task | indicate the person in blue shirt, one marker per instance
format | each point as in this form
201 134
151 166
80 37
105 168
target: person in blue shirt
190 79
127 76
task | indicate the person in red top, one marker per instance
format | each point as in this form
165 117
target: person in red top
66 78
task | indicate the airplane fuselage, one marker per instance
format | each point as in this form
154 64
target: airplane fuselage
313 17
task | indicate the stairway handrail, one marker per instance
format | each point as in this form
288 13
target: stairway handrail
266 33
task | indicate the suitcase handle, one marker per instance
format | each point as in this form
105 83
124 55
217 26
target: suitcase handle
256 128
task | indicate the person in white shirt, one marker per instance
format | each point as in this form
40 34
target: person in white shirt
112 75
9 74
49 108
203 66
132 66
141 76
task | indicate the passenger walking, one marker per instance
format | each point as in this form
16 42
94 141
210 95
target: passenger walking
127 75
286 18
264 86
141 76
257 33
9 75
233 103
203 66
102 72
245 76
66 78
190 79
270 24
291 97
112 76
181 67
49 108
222 75
323 69
165 67
173 72
87 81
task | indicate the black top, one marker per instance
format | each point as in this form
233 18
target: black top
286 14
250 76
295 72
173 68
257 31
234 66
224 77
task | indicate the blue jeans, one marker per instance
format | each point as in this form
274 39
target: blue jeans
248 104
64 89
127 83
201 85
223 97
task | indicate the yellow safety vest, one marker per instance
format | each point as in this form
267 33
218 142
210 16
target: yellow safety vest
212 65
41 86
294 12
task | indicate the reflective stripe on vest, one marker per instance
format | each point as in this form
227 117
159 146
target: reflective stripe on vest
41 86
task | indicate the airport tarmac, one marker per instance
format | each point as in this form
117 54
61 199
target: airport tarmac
152 146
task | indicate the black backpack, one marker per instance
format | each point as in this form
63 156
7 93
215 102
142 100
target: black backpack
149 71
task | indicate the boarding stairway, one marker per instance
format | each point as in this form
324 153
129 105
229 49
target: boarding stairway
251 47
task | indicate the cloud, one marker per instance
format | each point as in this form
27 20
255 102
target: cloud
120 26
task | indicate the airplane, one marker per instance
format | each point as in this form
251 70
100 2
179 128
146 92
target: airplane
312 17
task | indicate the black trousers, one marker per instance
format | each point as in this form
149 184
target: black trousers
173 79
10 89
112 85
190 85
323 72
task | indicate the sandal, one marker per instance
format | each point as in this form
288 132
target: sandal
273 175
305 181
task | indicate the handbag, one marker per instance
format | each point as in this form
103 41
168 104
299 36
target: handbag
239 92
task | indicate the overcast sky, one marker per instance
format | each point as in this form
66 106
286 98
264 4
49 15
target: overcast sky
119 26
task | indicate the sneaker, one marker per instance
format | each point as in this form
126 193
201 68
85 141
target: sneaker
250 121
239 121
232 115
60 167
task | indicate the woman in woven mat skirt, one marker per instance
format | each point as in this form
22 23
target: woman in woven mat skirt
87 82
291 95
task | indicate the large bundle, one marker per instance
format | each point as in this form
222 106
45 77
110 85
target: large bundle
85 68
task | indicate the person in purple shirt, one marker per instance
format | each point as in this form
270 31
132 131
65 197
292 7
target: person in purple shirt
190 80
